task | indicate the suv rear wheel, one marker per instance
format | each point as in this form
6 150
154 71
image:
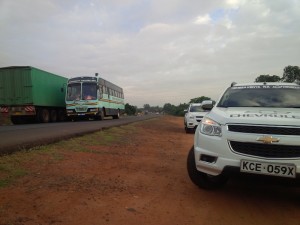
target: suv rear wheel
201 179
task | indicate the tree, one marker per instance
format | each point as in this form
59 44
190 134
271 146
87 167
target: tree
169 108
130 109
199 99
267 78
175 110
147 107
291 74
180 109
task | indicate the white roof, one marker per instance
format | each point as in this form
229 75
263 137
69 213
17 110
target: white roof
267 83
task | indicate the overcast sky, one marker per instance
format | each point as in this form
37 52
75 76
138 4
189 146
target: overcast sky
158 51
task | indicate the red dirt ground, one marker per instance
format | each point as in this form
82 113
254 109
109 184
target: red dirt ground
142 180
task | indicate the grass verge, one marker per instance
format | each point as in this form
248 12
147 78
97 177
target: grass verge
14 166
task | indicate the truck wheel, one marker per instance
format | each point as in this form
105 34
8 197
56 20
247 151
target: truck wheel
61 115
44 115
16 120
53 115
201 179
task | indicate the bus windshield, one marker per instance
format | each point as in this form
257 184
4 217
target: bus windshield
74 92
89 91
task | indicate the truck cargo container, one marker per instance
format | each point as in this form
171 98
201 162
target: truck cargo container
28 94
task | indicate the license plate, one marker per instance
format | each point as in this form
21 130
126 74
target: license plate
273 169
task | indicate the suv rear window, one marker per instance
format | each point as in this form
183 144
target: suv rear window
277 96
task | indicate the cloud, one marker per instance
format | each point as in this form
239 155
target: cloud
159 53
203 19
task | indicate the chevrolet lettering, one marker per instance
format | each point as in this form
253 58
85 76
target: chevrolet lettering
266 115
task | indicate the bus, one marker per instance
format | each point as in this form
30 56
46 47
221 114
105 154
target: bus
93 98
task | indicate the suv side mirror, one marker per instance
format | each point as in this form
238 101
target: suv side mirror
207 105
185 111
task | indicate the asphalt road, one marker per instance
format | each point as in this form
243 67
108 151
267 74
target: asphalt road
18 137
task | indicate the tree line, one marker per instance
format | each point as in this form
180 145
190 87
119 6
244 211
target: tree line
168 108
290 74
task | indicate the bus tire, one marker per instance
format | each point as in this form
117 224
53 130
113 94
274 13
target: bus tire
117 116
101 115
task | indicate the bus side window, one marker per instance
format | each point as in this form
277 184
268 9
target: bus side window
100 91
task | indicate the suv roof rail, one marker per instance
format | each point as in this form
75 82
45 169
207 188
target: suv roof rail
232 84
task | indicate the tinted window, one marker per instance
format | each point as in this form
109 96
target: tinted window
196 109
261 96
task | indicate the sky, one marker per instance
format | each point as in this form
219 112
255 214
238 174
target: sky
158 51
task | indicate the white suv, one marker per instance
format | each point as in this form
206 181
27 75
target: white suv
194 115
254 128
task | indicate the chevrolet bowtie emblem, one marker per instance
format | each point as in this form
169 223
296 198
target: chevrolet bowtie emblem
267 139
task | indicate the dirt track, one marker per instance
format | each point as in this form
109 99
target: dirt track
139 179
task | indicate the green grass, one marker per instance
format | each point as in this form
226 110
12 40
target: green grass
10 170
107 137
13 166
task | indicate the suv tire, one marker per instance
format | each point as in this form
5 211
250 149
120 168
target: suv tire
188 130
201 179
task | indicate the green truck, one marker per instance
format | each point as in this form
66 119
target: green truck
28 94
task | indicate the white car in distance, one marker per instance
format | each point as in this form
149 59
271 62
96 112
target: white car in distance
194 115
